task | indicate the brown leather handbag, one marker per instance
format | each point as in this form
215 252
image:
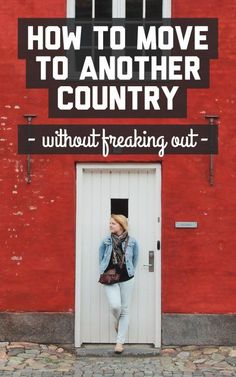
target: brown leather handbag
109 277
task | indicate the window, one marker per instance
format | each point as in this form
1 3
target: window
144 9
119 207
91 9
154 9
103 9
83 8
106 9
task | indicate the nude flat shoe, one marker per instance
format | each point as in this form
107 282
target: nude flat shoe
119 348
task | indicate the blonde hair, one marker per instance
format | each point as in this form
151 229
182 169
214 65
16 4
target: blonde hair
122 220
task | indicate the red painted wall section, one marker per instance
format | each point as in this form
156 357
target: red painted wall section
37 228
199 265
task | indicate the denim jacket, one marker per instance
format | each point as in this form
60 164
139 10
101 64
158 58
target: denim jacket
131 254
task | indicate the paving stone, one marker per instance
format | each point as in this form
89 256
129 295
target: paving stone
3 363
168 351
222 365
65 364
232 353
60 350
3 353
183 355
211 362
16 359
188 366
15 345
52 347
8 368
14 351
190 348
209 351
43 346
23 355
25 344
231 361
4 344
199 361
179 363
32 351
108 371
225 348
217 357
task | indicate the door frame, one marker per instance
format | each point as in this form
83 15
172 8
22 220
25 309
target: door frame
78 237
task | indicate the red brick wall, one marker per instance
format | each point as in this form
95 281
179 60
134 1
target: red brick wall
37 228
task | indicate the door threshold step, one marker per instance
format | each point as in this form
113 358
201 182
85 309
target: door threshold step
107 350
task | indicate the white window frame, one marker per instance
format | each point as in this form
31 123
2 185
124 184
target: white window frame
118 8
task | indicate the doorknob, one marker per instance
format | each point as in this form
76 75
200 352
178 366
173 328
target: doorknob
151 261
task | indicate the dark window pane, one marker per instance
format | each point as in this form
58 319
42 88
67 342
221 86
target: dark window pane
83 9
119 207
103 8
134 8
154 9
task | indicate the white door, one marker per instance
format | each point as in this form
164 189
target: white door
137 189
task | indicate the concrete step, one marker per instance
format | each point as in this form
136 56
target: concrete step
107 350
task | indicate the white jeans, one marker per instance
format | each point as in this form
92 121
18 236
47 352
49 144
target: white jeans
119 296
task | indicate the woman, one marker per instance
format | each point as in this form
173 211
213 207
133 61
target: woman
119 251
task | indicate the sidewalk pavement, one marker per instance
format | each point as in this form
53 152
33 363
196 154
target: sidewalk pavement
39 360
